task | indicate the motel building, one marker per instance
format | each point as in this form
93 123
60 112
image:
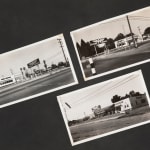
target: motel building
4 81
127 41
123 106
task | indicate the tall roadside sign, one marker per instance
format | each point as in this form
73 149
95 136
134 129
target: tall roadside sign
33 63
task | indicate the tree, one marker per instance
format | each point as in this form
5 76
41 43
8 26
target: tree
21 70
129 34
132 93
115 98
60 64
119 37
110 43
54 66
45 65
147 30
84 49
24 68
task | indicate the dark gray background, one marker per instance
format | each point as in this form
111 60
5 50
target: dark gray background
37 124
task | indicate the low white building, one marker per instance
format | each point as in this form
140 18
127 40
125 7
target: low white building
127 41
123 106
7 80
131 103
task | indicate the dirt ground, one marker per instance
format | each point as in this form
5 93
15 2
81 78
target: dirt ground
98 127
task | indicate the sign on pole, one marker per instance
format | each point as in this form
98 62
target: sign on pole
33 63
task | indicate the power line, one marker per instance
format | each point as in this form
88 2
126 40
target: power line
140 17
95 91
123 19
124 82
116 85
109 89
102 90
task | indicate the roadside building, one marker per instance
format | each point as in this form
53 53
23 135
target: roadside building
130 103
127 41
4 81
138 101
122 106
99 112
146 36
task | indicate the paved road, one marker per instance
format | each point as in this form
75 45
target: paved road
120 59
94 128
18 91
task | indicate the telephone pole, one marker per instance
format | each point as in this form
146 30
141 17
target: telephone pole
135 44
62 47
140 32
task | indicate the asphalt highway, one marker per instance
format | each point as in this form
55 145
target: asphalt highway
32 87
117 60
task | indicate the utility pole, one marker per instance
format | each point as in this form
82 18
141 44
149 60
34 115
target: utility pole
140 32
135 44
62 47
95 50
45 65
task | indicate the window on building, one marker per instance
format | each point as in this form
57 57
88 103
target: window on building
143 100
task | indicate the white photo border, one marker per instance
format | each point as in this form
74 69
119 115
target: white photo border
51 90
114 70
111 132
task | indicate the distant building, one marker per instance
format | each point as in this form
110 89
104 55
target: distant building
7 80
122 106
131 103
127 41
146 36
18 77
98 111
138 101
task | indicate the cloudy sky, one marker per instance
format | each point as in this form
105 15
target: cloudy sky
81 101
110 28
48 50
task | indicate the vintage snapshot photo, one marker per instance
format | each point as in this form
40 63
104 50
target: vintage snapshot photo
106 108
114 44
34 70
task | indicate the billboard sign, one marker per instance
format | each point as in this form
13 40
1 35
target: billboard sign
33 63
98 41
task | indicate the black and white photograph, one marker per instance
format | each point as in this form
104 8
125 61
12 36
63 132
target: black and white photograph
106 108
113 44
34 70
